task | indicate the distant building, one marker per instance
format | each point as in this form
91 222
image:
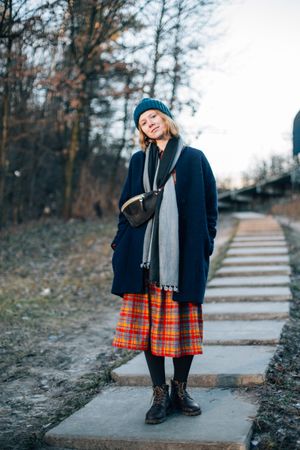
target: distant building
296 135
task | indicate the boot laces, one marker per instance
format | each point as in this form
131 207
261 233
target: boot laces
158 394
181 390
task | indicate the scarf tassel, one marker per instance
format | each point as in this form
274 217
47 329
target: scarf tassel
166 287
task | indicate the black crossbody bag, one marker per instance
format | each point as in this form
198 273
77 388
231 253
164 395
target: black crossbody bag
140 208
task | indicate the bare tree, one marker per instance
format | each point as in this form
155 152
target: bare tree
94 28
158 35
175 52
71 72
6 33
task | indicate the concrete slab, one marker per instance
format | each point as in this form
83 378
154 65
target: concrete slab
246 251
264 225
114 420
254 244
267 280
262 232
261 237
239 294
242 332
229 366
255 260
248 215
258 228
279 269
246 310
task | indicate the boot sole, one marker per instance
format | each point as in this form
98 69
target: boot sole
177 409
190 413
157 421
186 413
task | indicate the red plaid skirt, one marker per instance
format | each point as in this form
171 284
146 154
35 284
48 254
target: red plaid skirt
153 320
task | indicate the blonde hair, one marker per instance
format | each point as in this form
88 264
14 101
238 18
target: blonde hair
172 129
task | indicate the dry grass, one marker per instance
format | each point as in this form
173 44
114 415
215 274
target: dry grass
57 322
278 421
289 208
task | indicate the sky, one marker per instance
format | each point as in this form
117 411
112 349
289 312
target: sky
250 85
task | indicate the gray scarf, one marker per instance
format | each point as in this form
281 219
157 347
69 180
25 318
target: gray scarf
165 224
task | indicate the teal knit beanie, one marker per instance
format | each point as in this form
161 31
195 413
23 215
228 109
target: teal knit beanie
149 103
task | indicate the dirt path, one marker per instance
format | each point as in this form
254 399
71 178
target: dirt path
57 323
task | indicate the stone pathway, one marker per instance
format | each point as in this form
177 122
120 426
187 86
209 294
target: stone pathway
246 305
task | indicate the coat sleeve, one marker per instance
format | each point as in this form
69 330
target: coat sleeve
125 195
211 201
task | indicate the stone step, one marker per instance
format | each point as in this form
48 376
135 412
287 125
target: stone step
264 226
255 260
256 238
114 420
228 366
242 332
239 294
259 231
254 244
264 251
247 215
246 310
271 280
253 270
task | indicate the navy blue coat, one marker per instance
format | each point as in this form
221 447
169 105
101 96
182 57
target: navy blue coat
197 208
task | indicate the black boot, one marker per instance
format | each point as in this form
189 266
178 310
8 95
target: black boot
182 401
161 405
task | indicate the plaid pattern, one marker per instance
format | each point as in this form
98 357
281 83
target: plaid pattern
172 329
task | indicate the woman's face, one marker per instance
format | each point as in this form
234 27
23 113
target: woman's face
153 125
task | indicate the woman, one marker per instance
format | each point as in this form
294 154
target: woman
160 268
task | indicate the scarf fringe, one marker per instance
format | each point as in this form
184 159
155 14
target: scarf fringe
166 287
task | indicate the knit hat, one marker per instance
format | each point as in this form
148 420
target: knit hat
149 103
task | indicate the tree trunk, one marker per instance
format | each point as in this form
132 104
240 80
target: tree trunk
156 57
5 123
176 52
116 163
69 169
3 151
